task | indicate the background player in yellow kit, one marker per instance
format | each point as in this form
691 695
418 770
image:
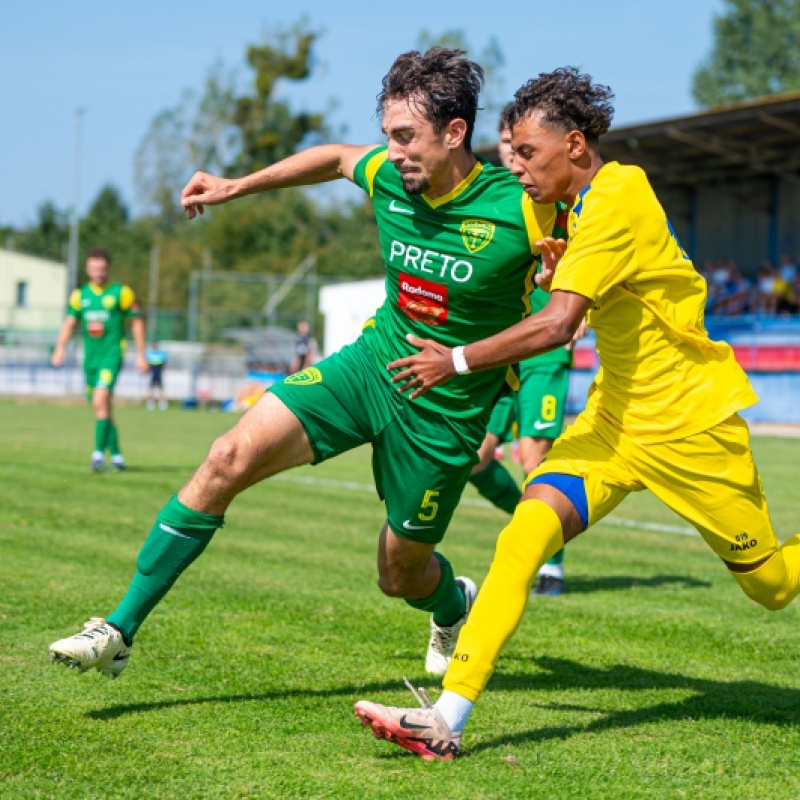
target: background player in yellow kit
661 415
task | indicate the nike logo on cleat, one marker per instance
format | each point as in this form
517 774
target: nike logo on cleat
411 726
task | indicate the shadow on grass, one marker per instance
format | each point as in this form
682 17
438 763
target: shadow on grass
710 699
363 691
578 585
751 700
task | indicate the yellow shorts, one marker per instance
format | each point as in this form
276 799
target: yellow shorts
709 479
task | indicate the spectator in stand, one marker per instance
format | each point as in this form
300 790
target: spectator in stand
733 294
788 269
765 297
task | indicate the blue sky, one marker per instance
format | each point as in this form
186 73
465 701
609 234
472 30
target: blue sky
124 64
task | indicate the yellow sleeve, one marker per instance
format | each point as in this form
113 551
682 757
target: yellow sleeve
539 220
126 298
74 306
602 246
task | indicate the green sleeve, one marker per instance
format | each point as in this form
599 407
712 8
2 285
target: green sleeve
367 168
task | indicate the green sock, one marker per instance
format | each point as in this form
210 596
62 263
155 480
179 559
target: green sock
447 602
497 485
113 440
558 558
101 427
177 538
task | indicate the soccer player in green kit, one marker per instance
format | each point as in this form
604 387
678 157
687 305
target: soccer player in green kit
102 309
537 409
458 238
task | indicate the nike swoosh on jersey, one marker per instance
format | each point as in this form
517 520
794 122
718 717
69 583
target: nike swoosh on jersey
409 527
540 426
399 209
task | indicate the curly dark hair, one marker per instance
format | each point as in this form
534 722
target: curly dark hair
566 99
505 117
441 81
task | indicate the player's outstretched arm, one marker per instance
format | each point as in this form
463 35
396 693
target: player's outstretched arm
326 162
137 329
554 326
64 335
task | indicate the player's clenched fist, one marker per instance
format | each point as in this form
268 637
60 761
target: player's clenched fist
204 189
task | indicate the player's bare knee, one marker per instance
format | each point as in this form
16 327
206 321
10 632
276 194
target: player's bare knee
226 460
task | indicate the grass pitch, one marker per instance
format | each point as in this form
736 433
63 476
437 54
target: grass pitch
653 677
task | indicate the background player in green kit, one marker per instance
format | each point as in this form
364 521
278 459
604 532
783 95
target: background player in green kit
102 309
458 238
537 409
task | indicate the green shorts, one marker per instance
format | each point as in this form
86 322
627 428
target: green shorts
504 415
102 375
537 408
541 399
421 459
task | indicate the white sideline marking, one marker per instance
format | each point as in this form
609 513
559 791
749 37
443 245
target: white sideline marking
367 488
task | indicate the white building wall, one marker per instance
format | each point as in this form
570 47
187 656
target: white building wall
346 307
45 292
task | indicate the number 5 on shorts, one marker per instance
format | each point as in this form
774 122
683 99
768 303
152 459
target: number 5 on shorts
429 505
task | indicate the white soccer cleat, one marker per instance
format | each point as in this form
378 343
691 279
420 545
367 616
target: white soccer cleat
421 730
99 646
98 462
443 638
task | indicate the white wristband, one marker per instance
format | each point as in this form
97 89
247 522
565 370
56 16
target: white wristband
459 361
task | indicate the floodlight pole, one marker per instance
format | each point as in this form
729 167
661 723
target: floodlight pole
72 261
152 300
72 257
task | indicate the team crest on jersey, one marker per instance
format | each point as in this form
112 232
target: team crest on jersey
305 377
476 233
109 302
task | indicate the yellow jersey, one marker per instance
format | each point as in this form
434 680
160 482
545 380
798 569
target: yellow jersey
660 377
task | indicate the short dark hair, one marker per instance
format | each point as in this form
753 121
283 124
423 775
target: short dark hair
568 100
441 81
98 252
505 117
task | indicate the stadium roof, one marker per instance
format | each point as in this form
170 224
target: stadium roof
720 145
724 144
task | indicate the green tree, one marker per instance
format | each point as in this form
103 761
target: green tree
268 128
220 130
108 224
49 236
756 52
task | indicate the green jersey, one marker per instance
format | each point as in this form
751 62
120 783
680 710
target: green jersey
102 311
561 355
459 268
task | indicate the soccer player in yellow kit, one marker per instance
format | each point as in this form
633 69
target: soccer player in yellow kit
661 415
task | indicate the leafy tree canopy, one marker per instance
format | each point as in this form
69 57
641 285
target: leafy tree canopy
756 52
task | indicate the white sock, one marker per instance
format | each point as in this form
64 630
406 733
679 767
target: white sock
97 456
455 710
552 571
118 459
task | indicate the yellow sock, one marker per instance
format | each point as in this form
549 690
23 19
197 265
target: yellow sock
775 584
533 535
